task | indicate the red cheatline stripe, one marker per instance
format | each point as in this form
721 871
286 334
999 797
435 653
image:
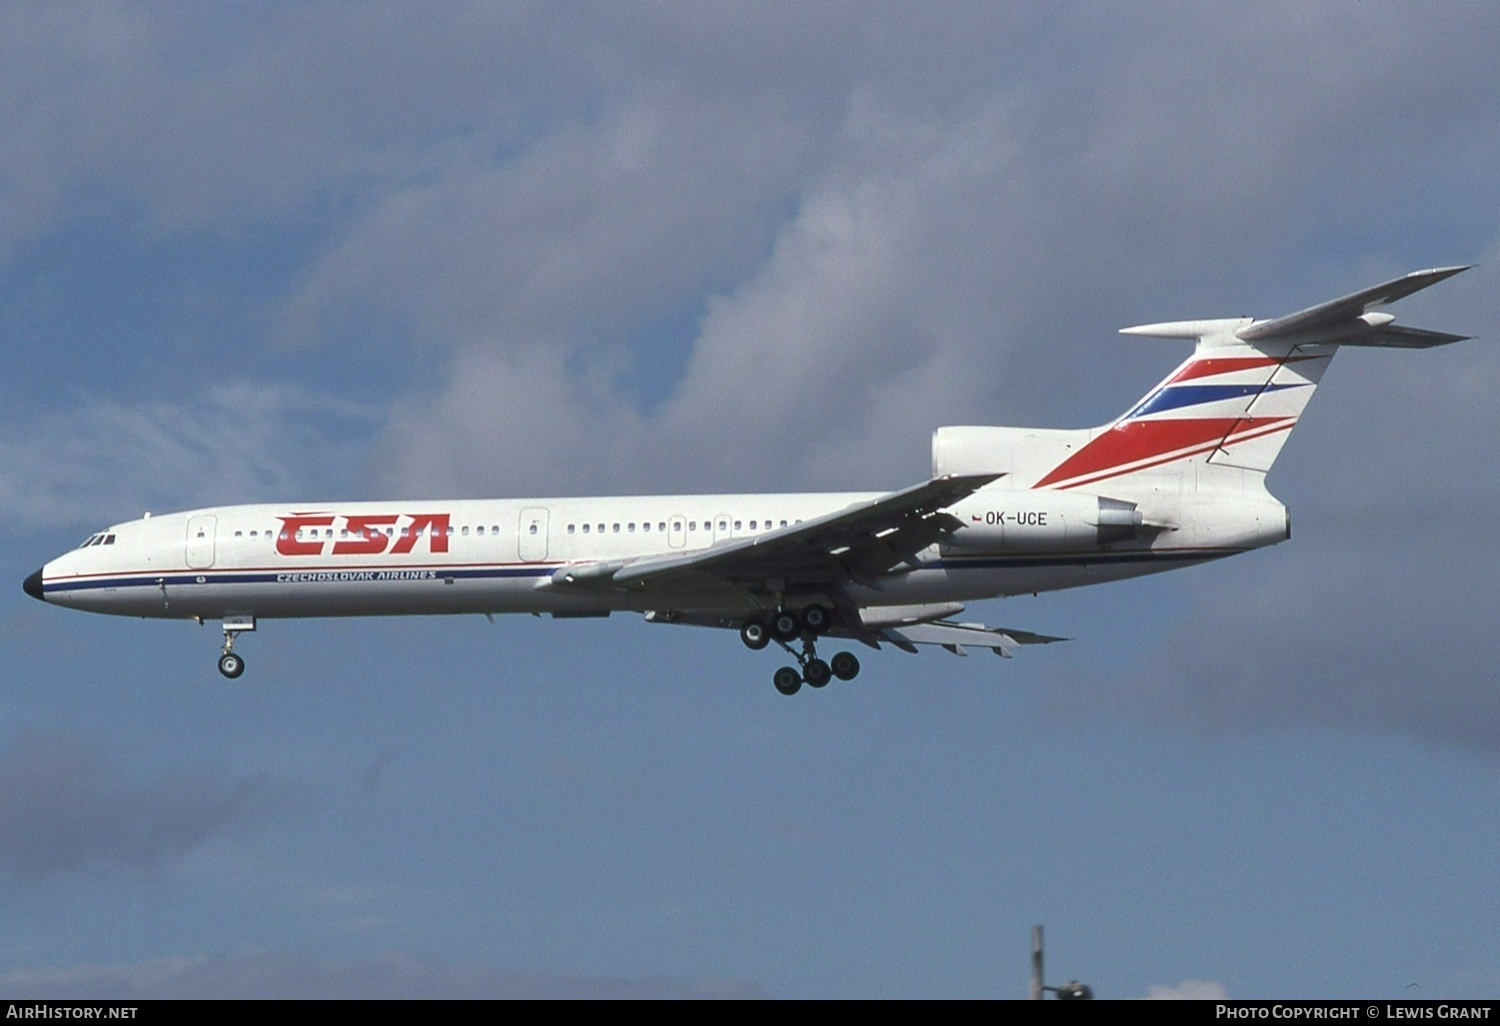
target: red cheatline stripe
1238 435
1132 441
1230 364
1221 365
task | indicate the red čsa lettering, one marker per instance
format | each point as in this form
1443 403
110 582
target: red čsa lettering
372 535
437 525
287 542
370 540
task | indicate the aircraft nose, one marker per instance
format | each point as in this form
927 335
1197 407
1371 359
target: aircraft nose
33 586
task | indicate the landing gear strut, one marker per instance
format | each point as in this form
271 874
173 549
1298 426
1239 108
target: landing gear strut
231 664
784 627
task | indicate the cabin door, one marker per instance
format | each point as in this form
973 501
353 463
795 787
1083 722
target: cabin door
532 535
200 542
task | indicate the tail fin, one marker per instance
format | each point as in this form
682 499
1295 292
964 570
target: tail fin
1234 402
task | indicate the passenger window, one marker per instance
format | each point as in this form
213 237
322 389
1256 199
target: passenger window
646 527
585 528
532 529
736 525
630 527
570 529
617 529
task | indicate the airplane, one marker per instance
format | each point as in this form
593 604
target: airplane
1177 480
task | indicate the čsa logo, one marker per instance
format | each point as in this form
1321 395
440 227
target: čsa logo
367 535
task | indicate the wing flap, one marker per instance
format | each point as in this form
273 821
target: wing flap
957 636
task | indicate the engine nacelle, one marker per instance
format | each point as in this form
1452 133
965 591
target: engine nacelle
998 520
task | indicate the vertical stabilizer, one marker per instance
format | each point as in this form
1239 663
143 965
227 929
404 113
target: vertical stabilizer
1234 402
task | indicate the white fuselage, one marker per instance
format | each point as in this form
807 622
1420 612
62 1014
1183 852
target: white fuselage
500 556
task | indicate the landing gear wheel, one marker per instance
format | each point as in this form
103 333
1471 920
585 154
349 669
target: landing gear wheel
817 619
785 625
787 680
816 673
231 665
755 634
844 665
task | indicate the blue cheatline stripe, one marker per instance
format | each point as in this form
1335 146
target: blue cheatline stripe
1175 397
370 576
1081 559
996 562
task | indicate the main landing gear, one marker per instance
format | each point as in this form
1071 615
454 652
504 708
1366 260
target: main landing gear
232 664
785 626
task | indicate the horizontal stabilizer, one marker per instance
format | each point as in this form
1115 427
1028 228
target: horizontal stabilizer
1345 320
1394 336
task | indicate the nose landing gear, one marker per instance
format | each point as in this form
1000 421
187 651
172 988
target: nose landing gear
231 665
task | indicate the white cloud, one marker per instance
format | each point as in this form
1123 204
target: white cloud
839 351
106 460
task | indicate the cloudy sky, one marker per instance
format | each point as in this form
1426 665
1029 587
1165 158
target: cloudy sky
333 251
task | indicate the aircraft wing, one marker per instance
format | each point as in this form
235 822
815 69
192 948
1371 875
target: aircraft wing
856 544
954 636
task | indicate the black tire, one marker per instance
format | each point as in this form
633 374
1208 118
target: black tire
787 680
785 626
231 665
817 619
816 673
755 633
844 665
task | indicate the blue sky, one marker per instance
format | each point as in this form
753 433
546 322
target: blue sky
262 252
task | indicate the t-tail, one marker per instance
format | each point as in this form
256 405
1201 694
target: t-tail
1216 422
